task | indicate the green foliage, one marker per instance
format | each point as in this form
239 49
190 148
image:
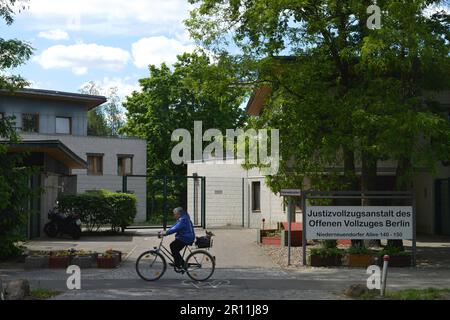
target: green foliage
13 52
101 208
14 193
346 95
107 119
410 294
419 294
327 252
393 251
328 248
195 90
43 294
329 244
358 250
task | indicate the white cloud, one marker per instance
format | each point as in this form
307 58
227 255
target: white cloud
125 86
55 34
80 57
155 50
109 16
433 8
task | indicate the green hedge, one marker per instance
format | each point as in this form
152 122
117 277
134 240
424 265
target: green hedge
100 208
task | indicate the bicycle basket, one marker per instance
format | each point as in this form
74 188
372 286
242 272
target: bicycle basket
203 242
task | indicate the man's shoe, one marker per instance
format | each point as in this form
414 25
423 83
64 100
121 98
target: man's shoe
179 270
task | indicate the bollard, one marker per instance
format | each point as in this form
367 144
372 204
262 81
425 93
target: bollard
384 277
263 221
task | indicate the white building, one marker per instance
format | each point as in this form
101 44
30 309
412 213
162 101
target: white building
235 197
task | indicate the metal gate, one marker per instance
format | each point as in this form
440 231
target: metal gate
442 206
164 193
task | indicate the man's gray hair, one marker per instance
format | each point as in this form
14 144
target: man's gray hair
178 210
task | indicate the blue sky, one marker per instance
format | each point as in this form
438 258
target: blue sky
111 42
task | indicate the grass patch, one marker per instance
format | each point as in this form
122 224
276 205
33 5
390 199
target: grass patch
410 294
43 294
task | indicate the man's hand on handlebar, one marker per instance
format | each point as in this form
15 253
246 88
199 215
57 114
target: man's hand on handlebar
161 234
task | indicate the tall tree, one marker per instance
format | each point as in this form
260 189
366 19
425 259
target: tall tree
113 114
195 90
13 52
107 119
352 96
14 179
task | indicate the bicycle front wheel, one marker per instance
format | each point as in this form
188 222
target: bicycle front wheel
200 265
151 265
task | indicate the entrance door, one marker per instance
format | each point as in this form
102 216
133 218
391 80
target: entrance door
442 205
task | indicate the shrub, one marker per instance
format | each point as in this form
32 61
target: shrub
393 251
100 208
358 250
327 252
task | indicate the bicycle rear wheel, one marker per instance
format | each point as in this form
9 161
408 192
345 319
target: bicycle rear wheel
200 265
151 265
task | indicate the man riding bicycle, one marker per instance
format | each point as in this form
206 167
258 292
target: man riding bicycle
185 235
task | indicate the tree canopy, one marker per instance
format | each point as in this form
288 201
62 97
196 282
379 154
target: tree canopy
196 89
14 178
352 96
13 52
107 119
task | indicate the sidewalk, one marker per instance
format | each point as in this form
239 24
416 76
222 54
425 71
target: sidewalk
244 271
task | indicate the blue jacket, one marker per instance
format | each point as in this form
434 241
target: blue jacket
184 229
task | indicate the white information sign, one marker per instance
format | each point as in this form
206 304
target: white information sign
359 222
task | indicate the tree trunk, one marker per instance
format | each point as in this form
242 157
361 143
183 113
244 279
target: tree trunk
368 183
402 184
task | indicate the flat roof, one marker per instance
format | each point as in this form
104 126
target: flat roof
90 101
55 148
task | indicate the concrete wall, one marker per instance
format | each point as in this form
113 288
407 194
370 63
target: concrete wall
228 197
48 110
110 180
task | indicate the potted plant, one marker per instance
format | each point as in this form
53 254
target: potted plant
59 260
84 259
115 252
107 260
359 257
327 255
398 257
269 237
37 260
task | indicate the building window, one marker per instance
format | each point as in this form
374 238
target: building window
256 196
63 125
124 165
95 164
30 122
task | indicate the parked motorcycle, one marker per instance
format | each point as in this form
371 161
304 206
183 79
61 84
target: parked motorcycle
61 223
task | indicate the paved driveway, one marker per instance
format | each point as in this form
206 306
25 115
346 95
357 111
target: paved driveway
233 248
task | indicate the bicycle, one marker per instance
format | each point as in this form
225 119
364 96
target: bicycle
151 265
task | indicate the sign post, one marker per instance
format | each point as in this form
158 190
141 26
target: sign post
290 193
304 228
289 229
